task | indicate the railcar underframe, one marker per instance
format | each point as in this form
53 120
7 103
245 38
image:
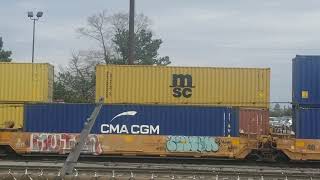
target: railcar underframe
262 148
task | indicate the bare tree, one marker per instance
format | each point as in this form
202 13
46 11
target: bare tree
98 29
111 33
120 22
76 82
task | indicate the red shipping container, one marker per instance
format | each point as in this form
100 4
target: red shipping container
254 121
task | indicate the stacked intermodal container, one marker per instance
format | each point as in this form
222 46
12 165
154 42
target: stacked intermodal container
306 96
11 115
178 120
134 119
239 87
307 122
21 83
254 121
187 96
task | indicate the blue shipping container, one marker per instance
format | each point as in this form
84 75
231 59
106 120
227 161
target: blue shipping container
133 119
306 80
307 122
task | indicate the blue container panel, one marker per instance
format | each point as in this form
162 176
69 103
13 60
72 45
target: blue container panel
307 123
56 117
306 77
134 119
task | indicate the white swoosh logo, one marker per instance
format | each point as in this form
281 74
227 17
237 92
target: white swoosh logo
128 113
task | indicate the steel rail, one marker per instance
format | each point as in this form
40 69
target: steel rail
142 168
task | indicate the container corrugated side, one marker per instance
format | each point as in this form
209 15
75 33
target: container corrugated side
11 114
307 124
50 82
133 119
244 87
306 80
20 82
254 121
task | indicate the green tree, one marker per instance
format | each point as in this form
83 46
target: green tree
4 55
287 111
146 50
76 82
277 111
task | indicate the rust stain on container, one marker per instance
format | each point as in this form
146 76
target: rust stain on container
254 121
20 82
241 87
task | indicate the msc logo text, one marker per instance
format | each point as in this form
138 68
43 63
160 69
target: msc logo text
182 85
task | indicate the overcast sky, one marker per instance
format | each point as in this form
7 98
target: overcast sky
231 33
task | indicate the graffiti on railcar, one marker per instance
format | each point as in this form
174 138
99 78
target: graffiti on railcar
20 143
62 143
311 147
191 144
225 143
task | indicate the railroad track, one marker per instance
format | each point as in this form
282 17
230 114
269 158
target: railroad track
120 170
165 160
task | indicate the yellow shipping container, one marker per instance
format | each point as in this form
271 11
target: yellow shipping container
246 87
11 116
20 82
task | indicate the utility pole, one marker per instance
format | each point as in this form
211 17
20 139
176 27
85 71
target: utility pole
34 29
73 157
131 43
34 19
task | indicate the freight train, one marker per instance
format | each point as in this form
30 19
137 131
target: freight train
162 111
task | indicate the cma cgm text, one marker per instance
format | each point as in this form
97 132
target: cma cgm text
133 129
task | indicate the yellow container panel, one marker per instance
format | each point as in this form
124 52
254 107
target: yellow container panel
247 87
26 82
11 116
50 82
